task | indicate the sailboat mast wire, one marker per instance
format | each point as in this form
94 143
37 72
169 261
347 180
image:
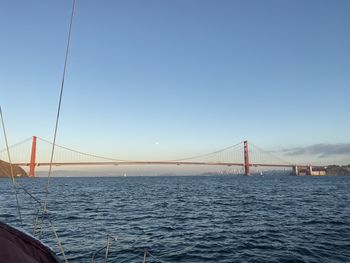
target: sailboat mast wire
56 127
11 168
59 104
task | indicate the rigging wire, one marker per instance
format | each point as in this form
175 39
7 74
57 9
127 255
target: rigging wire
59 104
56 128
11 168
105 247
47 216
58 240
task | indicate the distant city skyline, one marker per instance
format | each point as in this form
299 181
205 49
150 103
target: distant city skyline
162 79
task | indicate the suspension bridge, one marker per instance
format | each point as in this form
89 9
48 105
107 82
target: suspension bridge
35 151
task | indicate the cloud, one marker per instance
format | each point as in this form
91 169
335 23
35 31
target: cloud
321 150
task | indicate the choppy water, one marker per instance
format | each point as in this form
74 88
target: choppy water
197 218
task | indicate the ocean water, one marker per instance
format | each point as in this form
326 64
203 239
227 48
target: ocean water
194 218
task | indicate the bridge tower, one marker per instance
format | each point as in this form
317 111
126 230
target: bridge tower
33 158
246 159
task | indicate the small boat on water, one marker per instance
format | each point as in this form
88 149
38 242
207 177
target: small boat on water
17 246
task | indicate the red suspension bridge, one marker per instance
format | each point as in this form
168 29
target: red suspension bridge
241 154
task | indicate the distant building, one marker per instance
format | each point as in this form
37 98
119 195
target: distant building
309 170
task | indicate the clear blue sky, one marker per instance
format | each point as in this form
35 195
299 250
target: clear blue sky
192 75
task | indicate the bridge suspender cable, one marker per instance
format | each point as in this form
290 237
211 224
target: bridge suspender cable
17 144
207 154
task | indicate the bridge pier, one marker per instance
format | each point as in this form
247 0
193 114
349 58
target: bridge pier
246 159
33 158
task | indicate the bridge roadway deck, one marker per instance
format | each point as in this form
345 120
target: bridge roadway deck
165 163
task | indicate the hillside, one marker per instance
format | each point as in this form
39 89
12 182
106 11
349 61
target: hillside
5 170
338 170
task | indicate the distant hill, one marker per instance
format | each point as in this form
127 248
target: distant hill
5 170
338 170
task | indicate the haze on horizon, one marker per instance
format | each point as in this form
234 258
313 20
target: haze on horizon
162 79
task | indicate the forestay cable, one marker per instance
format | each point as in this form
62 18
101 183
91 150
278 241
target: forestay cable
59 104
56 127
